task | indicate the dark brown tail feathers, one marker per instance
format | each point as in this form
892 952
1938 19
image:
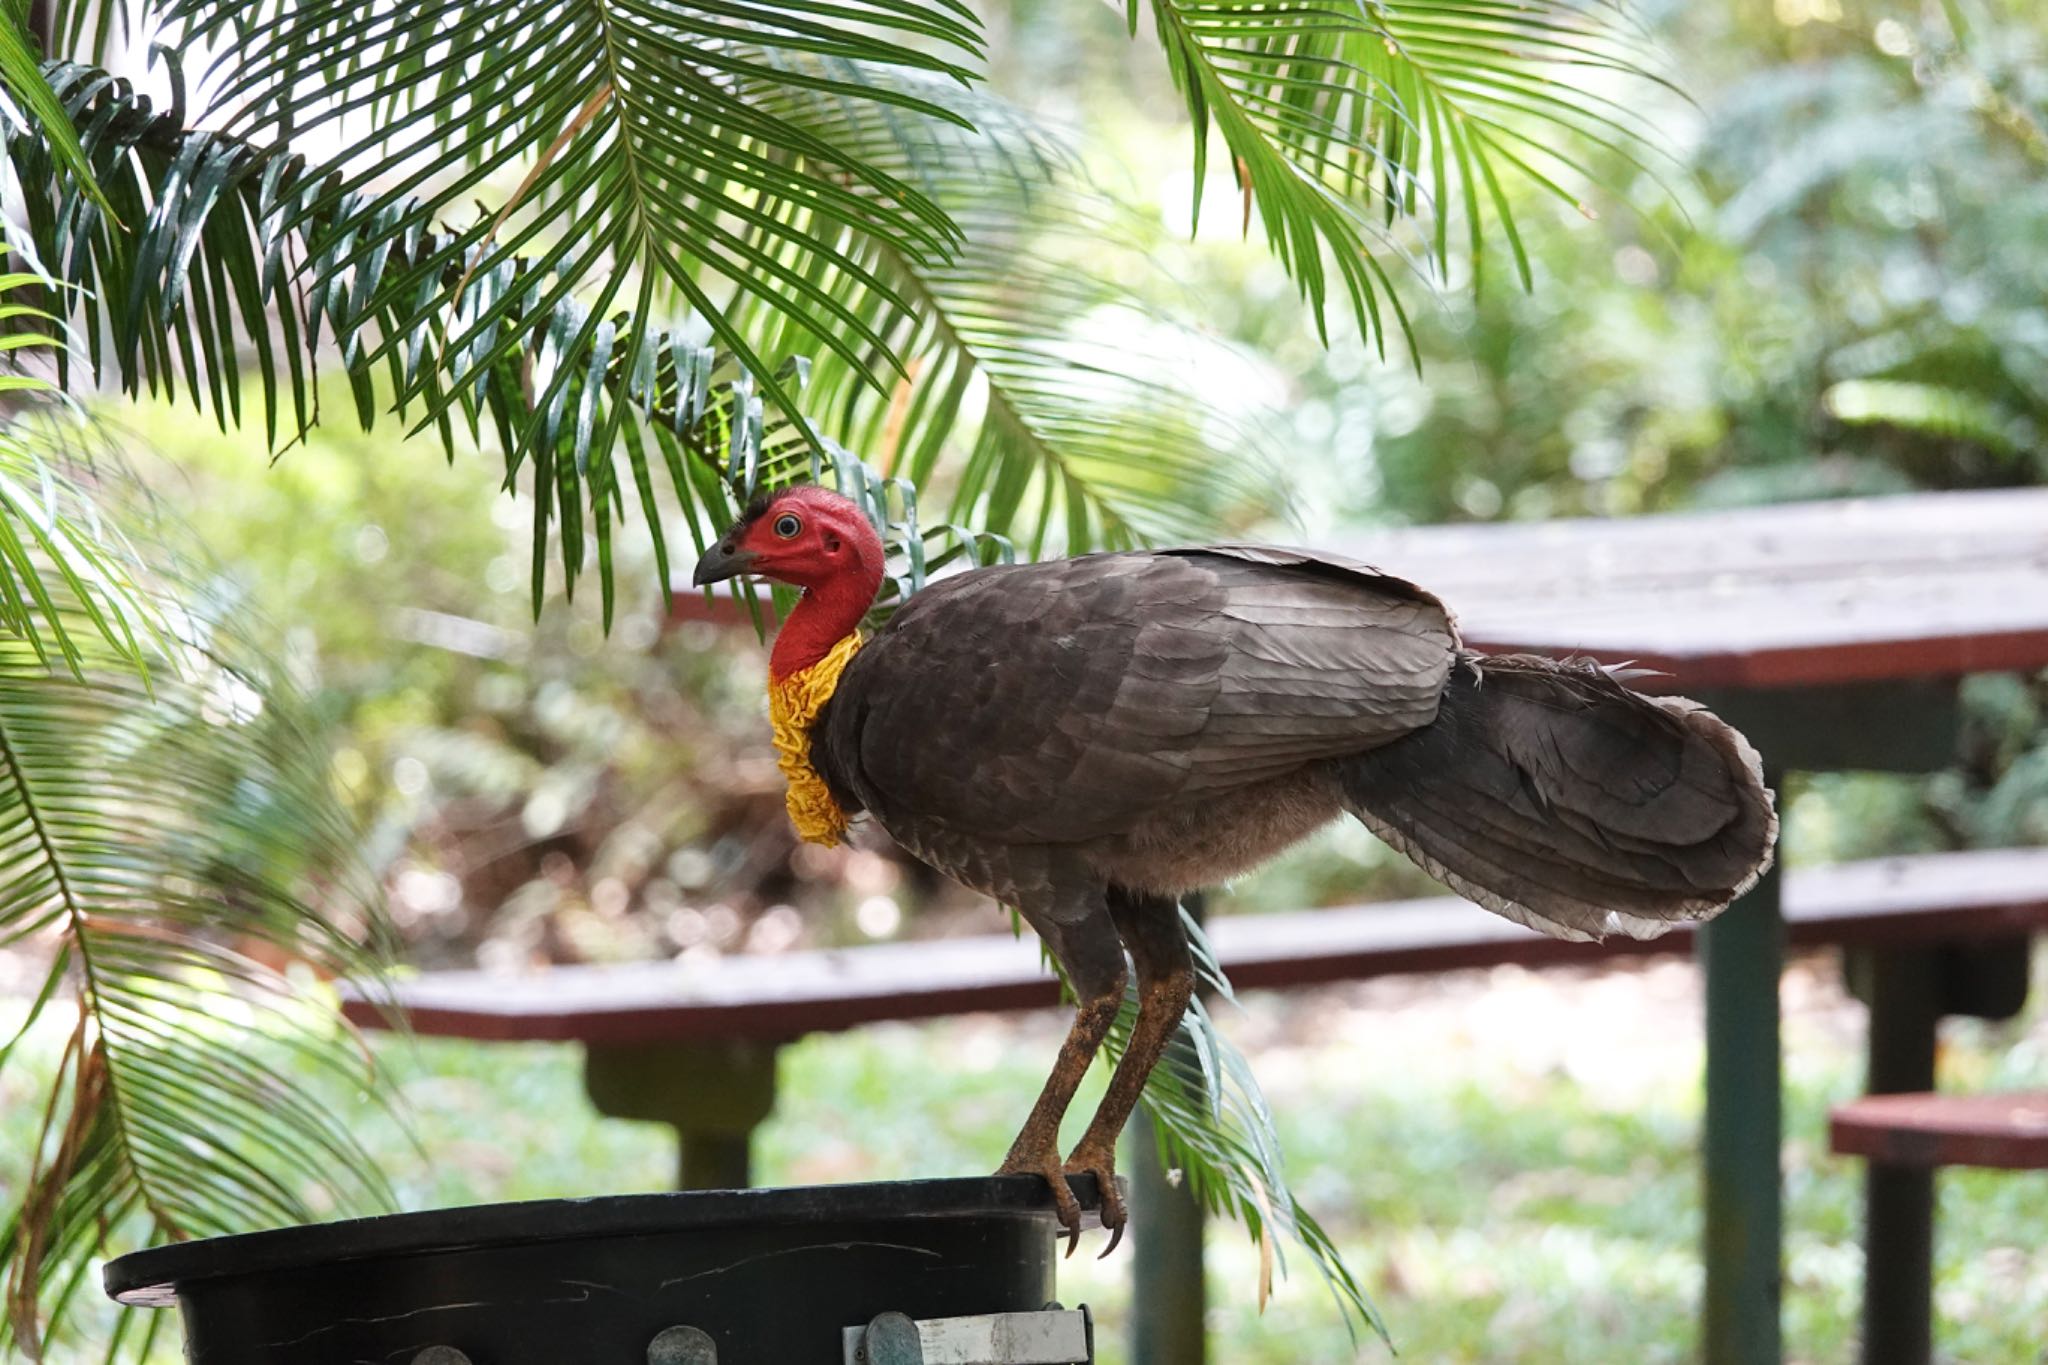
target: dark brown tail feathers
1550 793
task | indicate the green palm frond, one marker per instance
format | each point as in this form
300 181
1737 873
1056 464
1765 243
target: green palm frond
664 189
63 565
166 842
805 186
1358 131
22 74
170 832
1074 435
807 197
201 295
1213 1126
736 448
1043 391
179 294
89 30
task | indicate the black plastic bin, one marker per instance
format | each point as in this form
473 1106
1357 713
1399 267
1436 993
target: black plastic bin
766 1277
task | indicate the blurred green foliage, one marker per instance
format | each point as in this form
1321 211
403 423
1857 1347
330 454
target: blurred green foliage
1840 292
1843 294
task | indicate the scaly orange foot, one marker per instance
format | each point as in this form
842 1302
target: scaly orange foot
1100 1162
1044 1161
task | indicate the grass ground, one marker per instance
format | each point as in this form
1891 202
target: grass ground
1507 1158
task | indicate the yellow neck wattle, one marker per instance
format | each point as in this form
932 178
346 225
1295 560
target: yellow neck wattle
793 704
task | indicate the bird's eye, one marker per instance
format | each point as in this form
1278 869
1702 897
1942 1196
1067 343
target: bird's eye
788 525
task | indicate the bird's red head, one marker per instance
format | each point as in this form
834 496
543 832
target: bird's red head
807 537
810 538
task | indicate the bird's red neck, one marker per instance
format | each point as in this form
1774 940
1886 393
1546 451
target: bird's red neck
829 611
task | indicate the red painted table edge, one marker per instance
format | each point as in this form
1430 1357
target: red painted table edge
1818 665
2005 1130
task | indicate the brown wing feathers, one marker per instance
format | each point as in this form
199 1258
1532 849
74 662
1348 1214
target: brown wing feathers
1067 701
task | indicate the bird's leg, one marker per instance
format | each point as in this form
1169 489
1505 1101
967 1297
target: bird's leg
1151 929
1094 962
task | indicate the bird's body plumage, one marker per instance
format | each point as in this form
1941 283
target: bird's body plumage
1087 739
1172 719
1171 702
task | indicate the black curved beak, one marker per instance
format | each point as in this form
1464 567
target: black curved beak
722 561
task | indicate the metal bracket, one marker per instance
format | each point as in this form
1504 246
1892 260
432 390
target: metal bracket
1054 1336
1981 978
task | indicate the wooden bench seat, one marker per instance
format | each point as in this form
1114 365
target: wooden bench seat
2006 1131
1907 1136
692 1043
1890 901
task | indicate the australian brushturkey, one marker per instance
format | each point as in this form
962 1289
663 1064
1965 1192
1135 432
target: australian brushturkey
1087 739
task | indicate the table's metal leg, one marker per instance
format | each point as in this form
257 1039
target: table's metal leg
1169 1289
714 1161
1742 954
714 1093
1903 990
1169 1298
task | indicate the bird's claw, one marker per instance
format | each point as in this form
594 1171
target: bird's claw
1065 1206
1102 1165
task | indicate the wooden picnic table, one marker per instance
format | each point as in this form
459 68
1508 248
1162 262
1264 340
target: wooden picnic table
2002 1130
692 1042
1795 595
781 997
1832 633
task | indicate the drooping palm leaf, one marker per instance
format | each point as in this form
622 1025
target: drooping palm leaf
1041 326
22 74
169 831
1214 1130
61 561
177 295
165 843
1077 434
759 175
657 175
1212 1124
202 295
1359 132
91 31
